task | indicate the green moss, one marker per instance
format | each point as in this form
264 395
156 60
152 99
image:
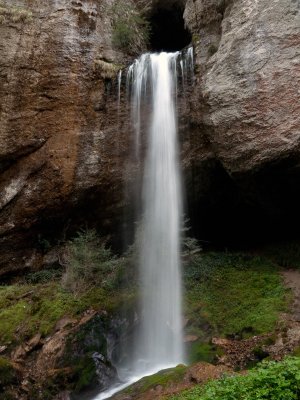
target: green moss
28 309
195 38
235 294
106 70
86 372
296 352
12 319
7 373
93 273
200 351
212 49
163 378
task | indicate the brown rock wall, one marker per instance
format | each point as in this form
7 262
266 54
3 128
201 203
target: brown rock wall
65 148
58 119
245 105
248 54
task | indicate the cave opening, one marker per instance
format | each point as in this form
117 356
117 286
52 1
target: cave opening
168 31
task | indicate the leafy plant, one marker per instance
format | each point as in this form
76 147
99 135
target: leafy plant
286 255
269 381
43 276
130 27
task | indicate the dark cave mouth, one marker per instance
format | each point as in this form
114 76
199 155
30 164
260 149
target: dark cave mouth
168 31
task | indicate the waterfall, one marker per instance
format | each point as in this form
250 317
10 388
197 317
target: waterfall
159 342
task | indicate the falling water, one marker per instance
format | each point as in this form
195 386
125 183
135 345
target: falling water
119 89
159 342
137 79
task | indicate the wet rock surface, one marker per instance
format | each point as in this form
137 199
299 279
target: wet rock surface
73 362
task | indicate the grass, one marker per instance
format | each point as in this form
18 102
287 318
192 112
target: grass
268 381
286 255
235 294
106 70
28 309
94 279
199 351
7 373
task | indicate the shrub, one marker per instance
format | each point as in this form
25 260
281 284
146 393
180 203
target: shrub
89 263
269 381
286 255
212 50
130 27
7 373
105 69
43 276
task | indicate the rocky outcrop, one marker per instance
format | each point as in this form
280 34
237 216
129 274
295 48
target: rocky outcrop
246 106
65 147
250 79
73 359
60 150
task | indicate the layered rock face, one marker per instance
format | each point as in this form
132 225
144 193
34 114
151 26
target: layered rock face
63 143
246 107
60 147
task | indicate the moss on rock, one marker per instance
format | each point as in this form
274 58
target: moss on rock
233 294
7 373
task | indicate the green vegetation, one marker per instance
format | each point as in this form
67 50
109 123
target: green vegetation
163 378
89 263
199 351
286 255
7 373
268 381
235 294
130 27
85 373
43 305
106 69
226 294
92 272
43 276
212 49
14 14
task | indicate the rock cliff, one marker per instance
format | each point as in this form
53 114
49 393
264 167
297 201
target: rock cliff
59 153
245 104
63 146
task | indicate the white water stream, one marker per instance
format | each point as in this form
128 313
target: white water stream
159 343
160 339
